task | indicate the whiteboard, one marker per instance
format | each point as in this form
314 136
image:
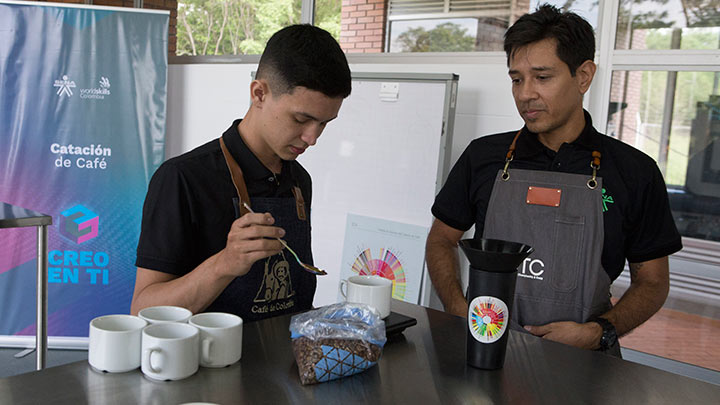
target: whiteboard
381 159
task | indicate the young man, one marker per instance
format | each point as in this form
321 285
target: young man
606 202
199 247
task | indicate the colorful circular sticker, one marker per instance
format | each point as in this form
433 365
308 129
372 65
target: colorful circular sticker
487 319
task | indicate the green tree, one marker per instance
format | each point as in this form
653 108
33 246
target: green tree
221 27
327 16
446 37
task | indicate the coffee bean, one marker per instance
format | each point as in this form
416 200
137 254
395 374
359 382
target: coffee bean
309 352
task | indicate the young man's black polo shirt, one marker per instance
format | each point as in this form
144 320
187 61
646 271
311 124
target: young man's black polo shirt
636 214
188 209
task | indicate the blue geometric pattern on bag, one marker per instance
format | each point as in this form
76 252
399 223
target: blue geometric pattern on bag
337 363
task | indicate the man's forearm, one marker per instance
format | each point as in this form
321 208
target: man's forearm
194 291
443 267
647 293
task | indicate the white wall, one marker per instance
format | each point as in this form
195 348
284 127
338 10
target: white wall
202 102
203 99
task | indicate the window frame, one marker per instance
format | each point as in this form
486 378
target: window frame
610 60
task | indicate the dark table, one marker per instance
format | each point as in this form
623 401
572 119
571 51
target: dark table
424 365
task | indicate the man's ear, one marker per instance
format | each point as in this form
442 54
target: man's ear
584 75
259 92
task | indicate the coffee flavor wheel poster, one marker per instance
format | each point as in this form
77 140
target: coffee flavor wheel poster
393 250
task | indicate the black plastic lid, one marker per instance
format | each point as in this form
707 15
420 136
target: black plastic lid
494 255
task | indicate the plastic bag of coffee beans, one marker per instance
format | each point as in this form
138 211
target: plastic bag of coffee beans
336 341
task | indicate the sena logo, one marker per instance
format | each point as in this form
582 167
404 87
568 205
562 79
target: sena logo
65 86
532 268
79 224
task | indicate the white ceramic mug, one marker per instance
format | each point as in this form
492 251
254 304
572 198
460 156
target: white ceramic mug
170 351
220 338
165 313
115 343
374 291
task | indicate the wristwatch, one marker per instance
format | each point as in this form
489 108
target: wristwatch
609 335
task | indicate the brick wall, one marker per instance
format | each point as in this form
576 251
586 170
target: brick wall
170 5
363 24
490 34
518 8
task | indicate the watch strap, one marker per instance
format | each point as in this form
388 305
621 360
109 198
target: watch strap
609 334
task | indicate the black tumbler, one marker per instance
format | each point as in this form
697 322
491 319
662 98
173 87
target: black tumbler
491 288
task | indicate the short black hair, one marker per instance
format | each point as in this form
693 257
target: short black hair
307 56
573 35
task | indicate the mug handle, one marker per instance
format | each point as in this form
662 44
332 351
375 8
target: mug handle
148 356
206 343
343 293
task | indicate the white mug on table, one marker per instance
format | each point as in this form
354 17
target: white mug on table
374 291
220 338
115 343
170 351
165 313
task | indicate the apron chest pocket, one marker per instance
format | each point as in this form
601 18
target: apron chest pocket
567 252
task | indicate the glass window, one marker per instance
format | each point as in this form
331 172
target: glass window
463 26
587 9
231 27
447 35
675 118
668 24
662 333
327 16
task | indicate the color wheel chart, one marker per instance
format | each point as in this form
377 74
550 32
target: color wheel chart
389 249
387 266
487 319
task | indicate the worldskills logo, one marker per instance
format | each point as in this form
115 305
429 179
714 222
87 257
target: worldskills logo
79 224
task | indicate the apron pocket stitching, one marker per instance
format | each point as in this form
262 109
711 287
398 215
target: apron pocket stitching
567 279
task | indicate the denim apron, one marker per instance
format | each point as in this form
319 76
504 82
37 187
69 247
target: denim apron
275 285
560 215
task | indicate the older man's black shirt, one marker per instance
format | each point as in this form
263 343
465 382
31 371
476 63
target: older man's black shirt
637 219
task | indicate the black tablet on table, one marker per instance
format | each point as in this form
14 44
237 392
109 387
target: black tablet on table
396 323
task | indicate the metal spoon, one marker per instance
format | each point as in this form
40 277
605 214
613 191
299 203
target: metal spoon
308 267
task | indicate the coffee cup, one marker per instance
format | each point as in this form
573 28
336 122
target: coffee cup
170 351
374 291
165 313
115 343
220 338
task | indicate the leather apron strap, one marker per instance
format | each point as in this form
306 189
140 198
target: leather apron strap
238 180
299 203
510 155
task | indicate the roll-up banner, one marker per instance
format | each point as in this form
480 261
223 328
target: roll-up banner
82 130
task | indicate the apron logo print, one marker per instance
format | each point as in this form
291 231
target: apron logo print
276 284
606 199
535 268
